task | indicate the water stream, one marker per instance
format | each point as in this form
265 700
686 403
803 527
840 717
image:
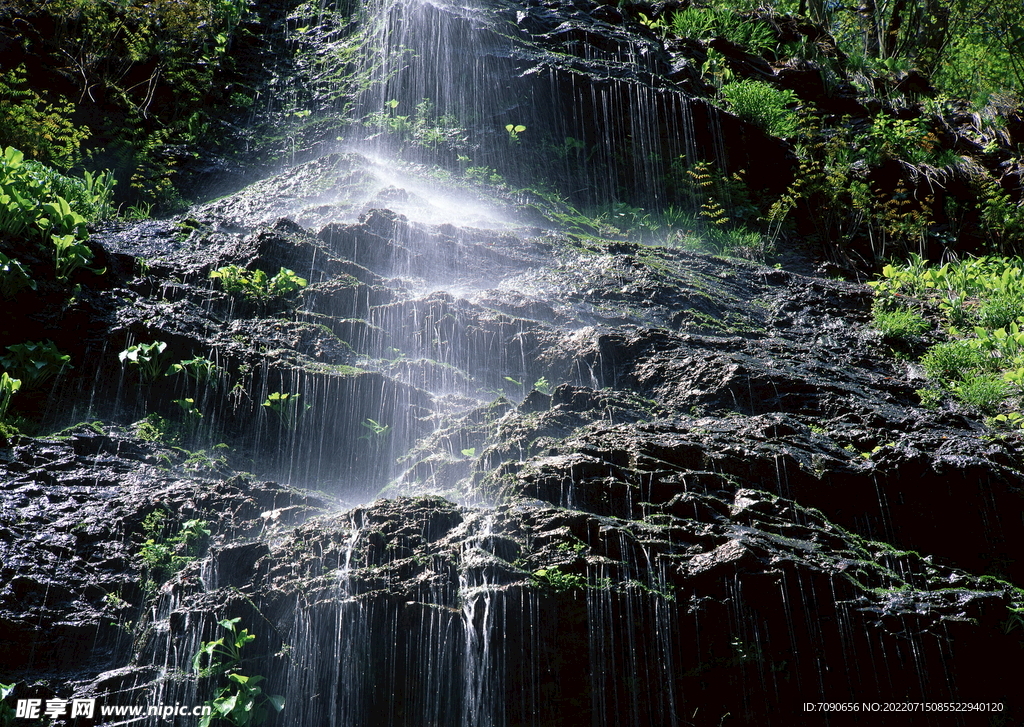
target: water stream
447 621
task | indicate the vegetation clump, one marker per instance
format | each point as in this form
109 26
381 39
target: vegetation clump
256 285
241 701
982 361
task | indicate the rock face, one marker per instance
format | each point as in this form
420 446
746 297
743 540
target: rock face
626 485
481 471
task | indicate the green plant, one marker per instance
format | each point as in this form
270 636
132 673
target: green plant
763 105
164 556
469 452
140 211
35 362
1011 420
6 711
542 385
188 406
13 277
889 138
985 392
953 361
514 130
155 428
705 24
241 701
149 358
930 398
256 285
71 254
377 430
40 125
557 580
199 369
286 407
901 323
8 387
203 461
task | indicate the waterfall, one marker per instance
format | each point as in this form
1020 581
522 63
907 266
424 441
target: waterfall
554 549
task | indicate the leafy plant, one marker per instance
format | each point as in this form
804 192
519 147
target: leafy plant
557 580
514 130
199 369
256 285
188 406
889 138
35 362
38 124
71 254
6 711
705 24
8 387
763 105
981 365
1011 420
241 701
13 277
542 385
164 556
149 358
376 431
953 361
985 392
901 323
286 407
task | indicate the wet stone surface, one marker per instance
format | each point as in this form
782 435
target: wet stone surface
707 475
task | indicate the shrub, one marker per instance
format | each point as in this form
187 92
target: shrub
165 556
984 392
902 323
255 285
35 362
762 105
954 361
241 701
37 125
149 358
708 23
8 387
13 277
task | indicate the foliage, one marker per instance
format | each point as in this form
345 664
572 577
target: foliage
900 323
979 301
763 105
256 285
6 711
13 277
906 139
377 431
164 556
152 77
557 580
8 387
514 130
286 406
199 369
707 23
425 128
35 362
30 205
36 124
149 358
241 701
